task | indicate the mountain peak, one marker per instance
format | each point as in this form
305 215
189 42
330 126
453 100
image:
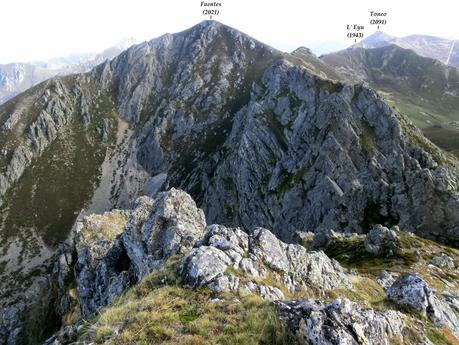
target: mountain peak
303 51
379 38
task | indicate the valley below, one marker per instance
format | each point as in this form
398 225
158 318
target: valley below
205 188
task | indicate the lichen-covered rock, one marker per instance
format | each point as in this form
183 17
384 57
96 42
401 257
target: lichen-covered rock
113 259
413 292
443 261
386 279
340 322
380 240
204 264
103 273
159 228
256 255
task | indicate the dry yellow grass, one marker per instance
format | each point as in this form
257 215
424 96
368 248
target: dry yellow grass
102 226
152 313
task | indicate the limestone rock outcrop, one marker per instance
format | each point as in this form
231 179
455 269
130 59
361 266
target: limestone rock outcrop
224 253
153 231
413 292
340 322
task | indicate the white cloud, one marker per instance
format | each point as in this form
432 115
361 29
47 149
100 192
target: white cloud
32 30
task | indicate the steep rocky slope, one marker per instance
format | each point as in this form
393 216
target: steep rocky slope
424 89
411 80
183 282
258 138
18 77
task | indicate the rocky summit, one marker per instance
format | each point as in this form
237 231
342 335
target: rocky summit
201 176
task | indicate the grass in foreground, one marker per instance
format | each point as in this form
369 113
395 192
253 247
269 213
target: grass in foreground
155 313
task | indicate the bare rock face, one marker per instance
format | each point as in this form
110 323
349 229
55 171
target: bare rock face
115 259
256 138
102 274
340 322
159 228
225 253
413 292
58 106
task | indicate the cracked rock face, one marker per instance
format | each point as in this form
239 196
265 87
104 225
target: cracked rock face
255 137
160 228
153 231
102 274
225 253
340 322
413 292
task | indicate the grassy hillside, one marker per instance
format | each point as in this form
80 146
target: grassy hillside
424 89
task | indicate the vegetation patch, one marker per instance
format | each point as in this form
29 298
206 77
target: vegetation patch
441 336
291 179
155 313
351 253
367 138
103 226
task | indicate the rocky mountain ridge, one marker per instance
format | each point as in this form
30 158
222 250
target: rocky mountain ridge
421 82
257 137
424 89
18 77
165 242
445 50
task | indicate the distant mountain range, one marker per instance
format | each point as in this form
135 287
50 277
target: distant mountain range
18 77
442 49
102 174
423 88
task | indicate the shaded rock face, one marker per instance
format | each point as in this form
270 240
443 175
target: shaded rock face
155 230
49 163
340 322
57 107
252 134
224 253
261 141
37 312
413 292
102 273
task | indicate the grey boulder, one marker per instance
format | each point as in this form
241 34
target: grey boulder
160 228
340 322
380 240
443 261
226 252
413 292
